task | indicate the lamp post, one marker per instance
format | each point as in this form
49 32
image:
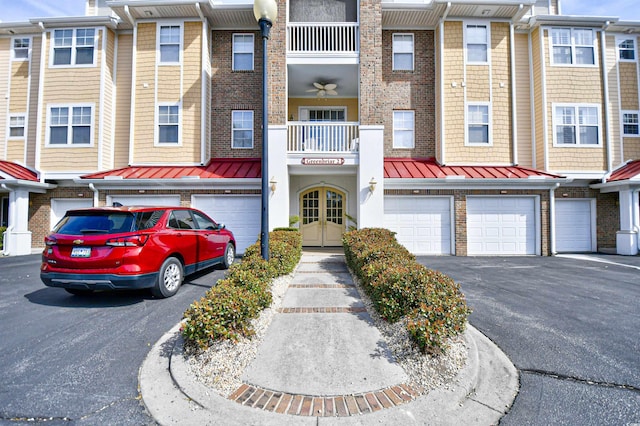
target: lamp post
265 12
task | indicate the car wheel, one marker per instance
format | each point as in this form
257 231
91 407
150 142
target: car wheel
169 278
229 256
79 291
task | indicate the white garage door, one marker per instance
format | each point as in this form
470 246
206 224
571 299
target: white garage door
142 200
574 226
60 206
421 224
240 214
501 225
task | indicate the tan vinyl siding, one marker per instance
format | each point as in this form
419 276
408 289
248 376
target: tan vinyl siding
478 83
453 96
628 85
614 102
575 85
19 86
523 100
5 53
123 100
631 148
175 83
106 131
34 99
501 150
84 85
15 150
538 98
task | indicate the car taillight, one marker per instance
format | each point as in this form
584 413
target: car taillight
50 241
132 241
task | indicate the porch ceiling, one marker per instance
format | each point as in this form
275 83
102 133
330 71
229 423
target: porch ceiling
302 76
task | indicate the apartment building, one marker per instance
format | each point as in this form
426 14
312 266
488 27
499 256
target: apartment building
467 127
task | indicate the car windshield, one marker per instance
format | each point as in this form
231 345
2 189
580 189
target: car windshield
84 223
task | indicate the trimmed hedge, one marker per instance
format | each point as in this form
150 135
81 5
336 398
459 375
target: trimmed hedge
2 231
400 287
225 310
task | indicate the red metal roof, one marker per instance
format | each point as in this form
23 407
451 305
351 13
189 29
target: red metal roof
628 171
428 168
17 171
220 168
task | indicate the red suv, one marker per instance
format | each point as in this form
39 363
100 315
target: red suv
108 248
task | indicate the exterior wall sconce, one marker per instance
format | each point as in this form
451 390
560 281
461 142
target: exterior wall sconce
372 185
273 182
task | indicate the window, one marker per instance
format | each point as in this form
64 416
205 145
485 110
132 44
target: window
242 129
21 48
478 124
16 126
74 47
572 46
403 52
243 52
168 124
576 125
170 36
181 219
403 129
630 123
627 49
477 43
70 125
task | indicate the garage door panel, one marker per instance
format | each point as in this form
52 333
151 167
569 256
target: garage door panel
421 224
501 226
141 200
60 206
574 226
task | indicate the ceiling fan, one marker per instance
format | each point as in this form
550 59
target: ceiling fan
323 89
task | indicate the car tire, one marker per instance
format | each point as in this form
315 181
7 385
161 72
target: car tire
79 291
229 256
169 278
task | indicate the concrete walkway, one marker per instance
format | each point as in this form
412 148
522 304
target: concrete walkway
323 361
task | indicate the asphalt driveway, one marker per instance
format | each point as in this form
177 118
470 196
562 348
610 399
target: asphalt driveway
571 326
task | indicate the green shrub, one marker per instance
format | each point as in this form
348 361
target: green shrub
226 309
2 231
400 287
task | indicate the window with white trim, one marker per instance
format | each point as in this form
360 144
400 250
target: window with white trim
630 123
627 49
572 46
16 125
403 52
242 129
74 47
478 124
20 51
70 125
169 44
403 129
243 46
576 125
477 43
168 124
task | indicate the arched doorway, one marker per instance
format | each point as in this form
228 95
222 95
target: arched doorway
322 217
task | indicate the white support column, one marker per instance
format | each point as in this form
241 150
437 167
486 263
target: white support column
17 238
371 166
279 173
627 236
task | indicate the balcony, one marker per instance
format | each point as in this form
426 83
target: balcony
322 38
323 137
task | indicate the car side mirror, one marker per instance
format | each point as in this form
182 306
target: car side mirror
221 226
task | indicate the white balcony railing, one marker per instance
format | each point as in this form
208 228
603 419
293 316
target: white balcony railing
304 136
327 37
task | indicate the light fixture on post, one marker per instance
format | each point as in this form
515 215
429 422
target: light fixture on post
372 185
265 12
273 182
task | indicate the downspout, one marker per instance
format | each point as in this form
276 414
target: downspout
134 64
96 198
39 112
514 112
552 219
204 85
442 118
5 249
607 118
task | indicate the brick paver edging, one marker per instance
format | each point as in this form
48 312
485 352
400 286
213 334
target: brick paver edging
323 310
324 406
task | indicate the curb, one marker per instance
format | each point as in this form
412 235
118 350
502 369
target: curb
481 393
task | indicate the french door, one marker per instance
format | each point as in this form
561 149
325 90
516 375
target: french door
322 217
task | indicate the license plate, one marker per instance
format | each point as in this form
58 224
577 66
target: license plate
81 252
